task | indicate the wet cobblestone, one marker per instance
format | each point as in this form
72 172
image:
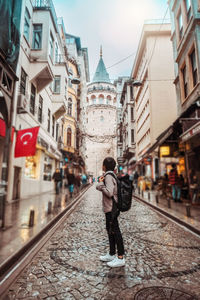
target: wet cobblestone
162 259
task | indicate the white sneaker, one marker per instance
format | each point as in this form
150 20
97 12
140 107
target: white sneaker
107 257
117 262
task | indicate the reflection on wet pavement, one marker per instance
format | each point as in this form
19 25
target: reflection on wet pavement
162 259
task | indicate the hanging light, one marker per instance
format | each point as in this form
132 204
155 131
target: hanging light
75 81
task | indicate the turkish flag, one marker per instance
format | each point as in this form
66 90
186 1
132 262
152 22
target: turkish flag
26 142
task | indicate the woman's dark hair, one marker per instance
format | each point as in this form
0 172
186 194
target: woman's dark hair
109 163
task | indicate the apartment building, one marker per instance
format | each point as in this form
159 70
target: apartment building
155 99
41 98
185 36
127 128
119 83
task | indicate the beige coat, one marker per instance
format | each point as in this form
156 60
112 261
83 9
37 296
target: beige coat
109 189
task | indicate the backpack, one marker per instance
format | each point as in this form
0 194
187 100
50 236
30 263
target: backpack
124 192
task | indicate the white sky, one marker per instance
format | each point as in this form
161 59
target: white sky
116 24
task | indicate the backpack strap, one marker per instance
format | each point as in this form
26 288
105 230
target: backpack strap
112 174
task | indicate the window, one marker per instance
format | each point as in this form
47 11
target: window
56 85
132 136
101 118
51 46
188 9
194 67
48 162
56 53
132 114
185 87
57 127
180 25
37 36
48 120
32 100
53 126
69 137
23 82
69 107
101 99
131 93
27 24
40 109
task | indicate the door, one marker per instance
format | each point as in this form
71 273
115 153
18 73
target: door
16 183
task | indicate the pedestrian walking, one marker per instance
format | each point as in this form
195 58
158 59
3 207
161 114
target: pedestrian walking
71 181
174 181
135 179
108 186
57 177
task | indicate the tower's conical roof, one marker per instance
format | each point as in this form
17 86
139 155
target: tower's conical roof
101 75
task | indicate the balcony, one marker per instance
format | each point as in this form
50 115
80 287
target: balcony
59 105
41 73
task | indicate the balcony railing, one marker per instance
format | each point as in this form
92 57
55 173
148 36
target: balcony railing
46 5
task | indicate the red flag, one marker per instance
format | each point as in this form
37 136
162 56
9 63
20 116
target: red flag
26 142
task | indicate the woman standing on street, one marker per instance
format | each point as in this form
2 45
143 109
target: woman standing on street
108 186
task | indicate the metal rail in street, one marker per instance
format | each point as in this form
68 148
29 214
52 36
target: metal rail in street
15 264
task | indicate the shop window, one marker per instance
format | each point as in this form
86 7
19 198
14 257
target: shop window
32 99
27 19
23 80
37 36
47 173
185 85
194 67
40 109
188 9
69 137
32 166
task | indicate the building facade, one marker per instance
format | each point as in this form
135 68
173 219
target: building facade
185 17
101 120
153 67
119 83
45 96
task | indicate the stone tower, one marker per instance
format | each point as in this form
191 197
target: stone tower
101 114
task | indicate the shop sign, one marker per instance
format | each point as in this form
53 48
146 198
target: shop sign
195 130
164 151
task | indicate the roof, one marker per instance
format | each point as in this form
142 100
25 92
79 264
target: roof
101 75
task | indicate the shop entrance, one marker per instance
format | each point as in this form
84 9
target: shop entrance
16 183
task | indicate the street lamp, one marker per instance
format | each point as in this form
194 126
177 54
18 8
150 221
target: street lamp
134 82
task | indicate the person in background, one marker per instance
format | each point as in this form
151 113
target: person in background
57 177
135 179
174 181
71 181
84 179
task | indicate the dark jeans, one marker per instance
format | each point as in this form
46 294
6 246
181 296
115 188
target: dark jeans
114 235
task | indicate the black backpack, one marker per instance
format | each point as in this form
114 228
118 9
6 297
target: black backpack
124 192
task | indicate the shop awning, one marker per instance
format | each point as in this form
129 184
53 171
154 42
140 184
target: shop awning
191 132
160 139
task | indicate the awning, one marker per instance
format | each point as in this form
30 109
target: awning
191 132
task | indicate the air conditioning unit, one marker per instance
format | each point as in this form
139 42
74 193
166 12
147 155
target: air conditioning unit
22 104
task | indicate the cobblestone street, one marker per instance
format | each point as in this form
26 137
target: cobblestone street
162 259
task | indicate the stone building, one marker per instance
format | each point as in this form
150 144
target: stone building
101 120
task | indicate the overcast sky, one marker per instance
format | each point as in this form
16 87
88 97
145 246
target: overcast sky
114 24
